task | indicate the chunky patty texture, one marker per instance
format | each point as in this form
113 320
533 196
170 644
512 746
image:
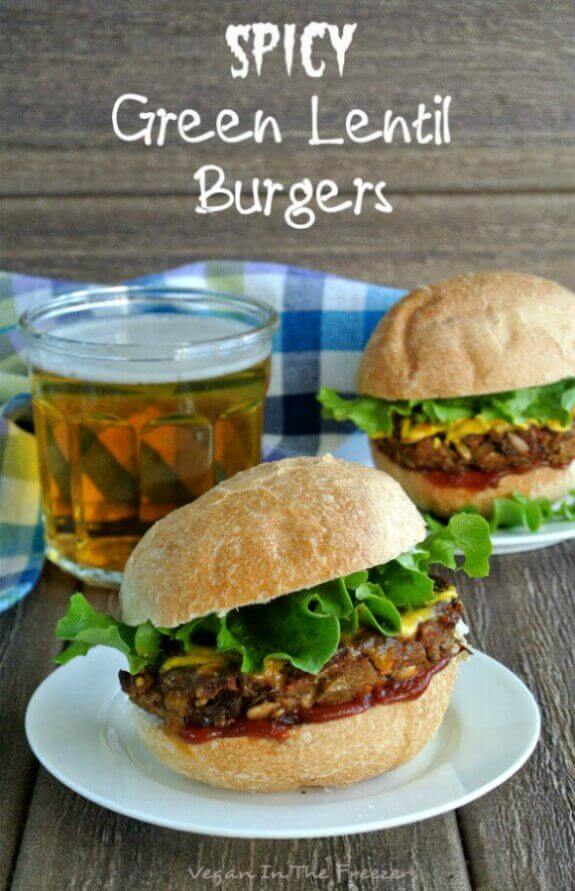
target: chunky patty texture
493 452
218 693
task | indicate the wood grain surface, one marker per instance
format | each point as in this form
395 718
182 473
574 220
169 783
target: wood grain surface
147 857
427 238
26 646
77 203
508 67
522 835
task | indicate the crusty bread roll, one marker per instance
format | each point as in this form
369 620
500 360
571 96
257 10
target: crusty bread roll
469 335
546 482
268 531
336 753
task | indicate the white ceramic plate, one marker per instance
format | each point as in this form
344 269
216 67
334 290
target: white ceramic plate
505 541
79 726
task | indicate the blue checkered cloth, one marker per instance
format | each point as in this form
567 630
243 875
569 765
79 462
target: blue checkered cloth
325 322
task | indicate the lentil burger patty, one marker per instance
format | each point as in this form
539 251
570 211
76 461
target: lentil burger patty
216 693
493 452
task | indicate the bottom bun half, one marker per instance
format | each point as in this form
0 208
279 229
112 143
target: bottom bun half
336 753
541 482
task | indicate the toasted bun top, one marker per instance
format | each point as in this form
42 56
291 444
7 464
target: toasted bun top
268 531
472 334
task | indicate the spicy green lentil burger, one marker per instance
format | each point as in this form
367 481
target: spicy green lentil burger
286 630
467 391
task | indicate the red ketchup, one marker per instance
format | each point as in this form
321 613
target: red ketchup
468 479
241 727
384 694
479 479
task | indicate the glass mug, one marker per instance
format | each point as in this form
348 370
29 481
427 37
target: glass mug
143 399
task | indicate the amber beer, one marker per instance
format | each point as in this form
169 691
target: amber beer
123 445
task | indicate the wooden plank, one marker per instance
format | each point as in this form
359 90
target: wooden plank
427 237
523 834
71 843
26 645
507 67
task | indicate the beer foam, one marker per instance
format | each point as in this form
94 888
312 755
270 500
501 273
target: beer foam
145 333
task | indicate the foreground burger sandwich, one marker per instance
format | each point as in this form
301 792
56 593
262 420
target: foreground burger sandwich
467 391
284 629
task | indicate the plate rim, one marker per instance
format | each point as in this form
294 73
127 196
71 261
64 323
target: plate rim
373 825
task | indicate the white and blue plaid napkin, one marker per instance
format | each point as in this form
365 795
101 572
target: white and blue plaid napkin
325 322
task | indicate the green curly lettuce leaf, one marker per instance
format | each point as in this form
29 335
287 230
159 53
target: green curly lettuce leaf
531 513
406 581
204 626
373 416
518 511
375 610
303 628
552 402
88 628
468 534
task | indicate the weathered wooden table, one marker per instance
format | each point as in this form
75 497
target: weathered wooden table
77 203
521 836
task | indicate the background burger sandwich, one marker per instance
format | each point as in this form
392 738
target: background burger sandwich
467 391
284 629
